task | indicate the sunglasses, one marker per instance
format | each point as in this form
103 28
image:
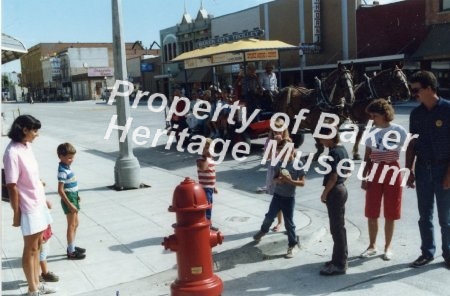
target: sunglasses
416 90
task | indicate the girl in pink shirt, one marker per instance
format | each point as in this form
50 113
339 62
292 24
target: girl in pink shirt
27 196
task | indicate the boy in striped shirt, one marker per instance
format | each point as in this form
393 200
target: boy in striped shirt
70 201
206 170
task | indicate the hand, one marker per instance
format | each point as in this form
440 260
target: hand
73 209
410 181
49 204
323 197
215 190
16 220
446 181
364 185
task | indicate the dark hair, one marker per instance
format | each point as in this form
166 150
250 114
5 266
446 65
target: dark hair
65 149
327 131
382 107
426 79
23 121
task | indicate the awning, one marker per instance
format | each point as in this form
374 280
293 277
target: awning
195 75
436 45
237 46
12 49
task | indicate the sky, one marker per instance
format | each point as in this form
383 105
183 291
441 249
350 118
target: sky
36 21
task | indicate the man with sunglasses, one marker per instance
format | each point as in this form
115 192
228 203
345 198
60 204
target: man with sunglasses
429 156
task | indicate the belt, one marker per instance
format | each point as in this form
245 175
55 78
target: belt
281 196
429 162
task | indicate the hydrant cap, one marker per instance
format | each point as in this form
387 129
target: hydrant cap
189 196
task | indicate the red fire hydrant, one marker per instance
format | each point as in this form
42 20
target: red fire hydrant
193 241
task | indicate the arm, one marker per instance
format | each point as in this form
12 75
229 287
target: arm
202 164
366 167
409 163
300 181
64 198
330 184
13 193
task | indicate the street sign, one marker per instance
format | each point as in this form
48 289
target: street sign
309 48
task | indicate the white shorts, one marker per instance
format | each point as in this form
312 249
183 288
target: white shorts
35 222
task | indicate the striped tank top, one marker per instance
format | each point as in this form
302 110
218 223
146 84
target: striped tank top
207 178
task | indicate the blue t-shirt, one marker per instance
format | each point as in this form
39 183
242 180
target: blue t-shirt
66 176
433 128
287 190
337 153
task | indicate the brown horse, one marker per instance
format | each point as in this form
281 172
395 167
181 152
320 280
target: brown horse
389 84
331 95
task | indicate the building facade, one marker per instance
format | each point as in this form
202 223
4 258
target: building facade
85 69
326 31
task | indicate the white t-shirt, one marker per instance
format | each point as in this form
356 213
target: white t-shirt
388 150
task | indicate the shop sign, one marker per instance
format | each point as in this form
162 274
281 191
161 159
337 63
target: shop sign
100 72
227 58
256 33
261 55
197 63
316 20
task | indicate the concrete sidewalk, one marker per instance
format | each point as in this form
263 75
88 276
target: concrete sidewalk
123 230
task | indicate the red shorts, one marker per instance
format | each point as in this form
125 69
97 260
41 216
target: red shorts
392 194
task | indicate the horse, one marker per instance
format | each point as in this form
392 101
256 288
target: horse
390 84
331 95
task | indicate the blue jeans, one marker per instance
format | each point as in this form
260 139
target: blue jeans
286 205
209 197
428 185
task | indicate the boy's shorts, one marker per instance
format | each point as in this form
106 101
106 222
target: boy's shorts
73 198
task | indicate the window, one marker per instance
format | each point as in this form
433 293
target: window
445 5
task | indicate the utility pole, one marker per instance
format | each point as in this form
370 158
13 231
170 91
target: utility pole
127 168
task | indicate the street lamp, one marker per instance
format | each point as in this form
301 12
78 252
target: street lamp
127 168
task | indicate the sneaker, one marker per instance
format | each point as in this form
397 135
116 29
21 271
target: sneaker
368 253
44 289
261 189
387 256
80 250
421 261
258 236
291 251
75 255
35 293
48 277
332 269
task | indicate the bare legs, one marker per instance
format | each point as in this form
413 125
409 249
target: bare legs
373 231
30 259
72 225
279 221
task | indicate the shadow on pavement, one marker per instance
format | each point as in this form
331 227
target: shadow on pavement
303 280
128 248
